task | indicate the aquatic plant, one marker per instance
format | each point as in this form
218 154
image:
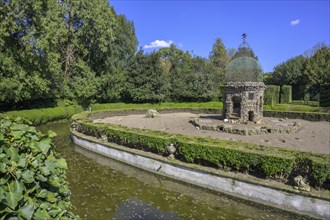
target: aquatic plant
32 177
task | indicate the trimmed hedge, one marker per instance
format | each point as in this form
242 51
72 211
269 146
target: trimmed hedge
45 115
271 95
270 162
286 94
325 95
105 106
204 151
309 116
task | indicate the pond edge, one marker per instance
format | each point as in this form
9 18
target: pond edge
289 201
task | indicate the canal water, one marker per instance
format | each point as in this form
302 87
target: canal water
103 188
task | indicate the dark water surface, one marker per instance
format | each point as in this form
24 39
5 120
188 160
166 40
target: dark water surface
103 188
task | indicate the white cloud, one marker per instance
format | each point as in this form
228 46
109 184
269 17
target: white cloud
295 22
158 43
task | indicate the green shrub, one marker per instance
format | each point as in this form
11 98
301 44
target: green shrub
286 94
310 116
32 178
42 116
297 102
96 107
271 95
270 162
312 103
290 107
324 95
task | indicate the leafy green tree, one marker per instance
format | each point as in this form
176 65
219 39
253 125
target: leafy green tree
146 80
170 57
219 59
22 73
122 55
89 36
70 49
317 70
291 73
202 83
192 79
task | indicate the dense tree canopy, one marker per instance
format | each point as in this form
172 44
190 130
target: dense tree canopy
305 74
77 50
219 60
83 51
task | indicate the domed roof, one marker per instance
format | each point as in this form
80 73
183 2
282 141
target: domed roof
244 69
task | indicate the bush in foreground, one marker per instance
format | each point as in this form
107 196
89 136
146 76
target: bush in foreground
32 178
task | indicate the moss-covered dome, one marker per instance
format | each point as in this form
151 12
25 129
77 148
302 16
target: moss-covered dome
244 69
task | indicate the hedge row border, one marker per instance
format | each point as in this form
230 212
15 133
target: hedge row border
228 155
309 116
45 115
226 182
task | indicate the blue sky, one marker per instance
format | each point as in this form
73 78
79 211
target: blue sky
277 30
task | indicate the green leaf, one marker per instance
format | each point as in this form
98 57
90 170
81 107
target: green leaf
56 213
54 181
51 197
4 179
26 211
17 186
2 168
28 176
51 134
32 129
12 198
17 134
42 193
44 171
41 178
6 211
44 205
41 214
2 194
22 161
20 127
35 147
18 173
44 145
63 163
13 153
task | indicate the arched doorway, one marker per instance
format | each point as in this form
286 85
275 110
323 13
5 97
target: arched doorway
236 107
251 115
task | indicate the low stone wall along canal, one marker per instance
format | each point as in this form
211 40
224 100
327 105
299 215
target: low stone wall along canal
103 188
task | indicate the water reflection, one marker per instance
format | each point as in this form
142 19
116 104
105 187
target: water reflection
137 209
103 188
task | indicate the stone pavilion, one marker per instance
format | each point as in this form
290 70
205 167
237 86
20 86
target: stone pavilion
244 89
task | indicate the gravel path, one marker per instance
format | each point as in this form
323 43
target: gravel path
312 137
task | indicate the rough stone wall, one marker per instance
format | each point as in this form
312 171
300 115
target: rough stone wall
250 95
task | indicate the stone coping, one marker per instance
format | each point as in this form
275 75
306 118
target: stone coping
195 175
232 128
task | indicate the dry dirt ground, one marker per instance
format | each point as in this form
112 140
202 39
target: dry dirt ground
312 137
